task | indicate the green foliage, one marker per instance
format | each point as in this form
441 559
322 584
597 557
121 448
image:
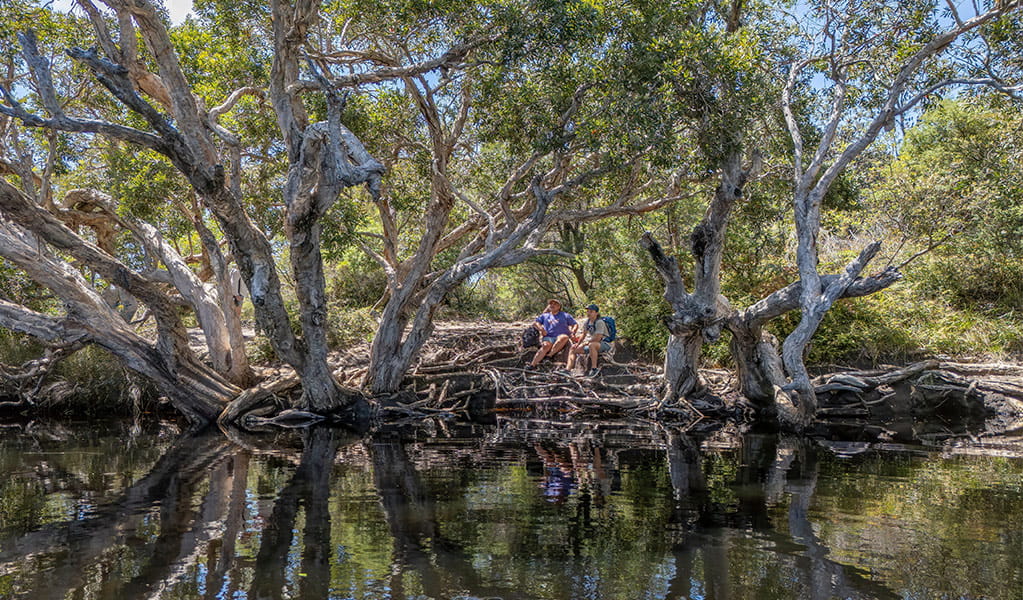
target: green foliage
354 285
16 287
16 348
957 186
901 324
980 281
350 327
355 281
475 299
340 228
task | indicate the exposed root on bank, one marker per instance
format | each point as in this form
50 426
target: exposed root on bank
459 377
467 370
935 400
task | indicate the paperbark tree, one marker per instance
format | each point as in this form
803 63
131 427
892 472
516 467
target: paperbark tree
25 235
848 37
716 110
211 302
467 228
324 158
699 316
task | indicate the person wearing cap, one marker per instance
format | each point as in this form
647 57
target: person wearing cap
595 330
556 328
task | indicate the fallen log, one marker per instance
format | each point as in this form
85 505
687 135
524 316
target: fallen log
1003 369
254 396
864 380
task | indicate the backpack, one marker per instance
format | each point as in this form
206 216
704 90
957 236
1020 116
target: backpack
530 337
612 330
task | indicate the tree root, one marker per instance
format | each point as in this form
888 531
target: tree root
929 393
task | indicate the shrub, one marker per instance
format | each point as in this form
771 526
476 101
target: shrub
900 325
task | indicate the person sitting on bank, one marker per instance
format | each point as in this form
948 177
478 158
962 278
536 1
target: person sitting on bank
595 330
556 327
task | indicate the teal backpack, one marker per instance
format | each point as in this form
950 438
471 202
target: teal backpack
612 330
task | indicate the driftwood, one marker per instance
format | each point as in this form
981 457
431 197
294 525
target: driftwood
860 380
254 397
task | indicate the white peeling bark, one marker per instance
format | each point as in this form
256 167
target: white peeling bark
325 158
209 307
393 350
755 351
813 307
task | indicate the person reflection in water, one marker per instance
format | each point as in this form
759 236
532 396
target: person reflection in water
559 479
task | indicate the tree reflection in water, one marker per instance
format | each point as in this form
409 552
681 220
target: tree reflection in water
524 510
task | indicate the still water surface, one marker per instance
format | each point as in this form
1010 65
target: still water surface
520 509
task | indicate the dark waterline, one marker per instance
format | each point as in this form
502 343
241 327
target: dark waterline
523 509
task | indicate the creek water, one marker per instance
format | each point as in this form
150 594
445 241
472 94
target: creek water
513 510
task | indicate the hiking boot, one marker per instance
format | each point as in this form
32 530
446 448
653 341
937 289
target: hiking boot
593 372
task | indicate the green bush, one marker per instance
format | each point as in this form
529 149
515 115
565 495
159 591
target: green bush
901 325
355 282
349 327
983 281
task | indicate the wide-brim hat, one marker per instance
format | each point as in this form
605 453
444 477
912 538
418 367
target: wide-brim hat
556 301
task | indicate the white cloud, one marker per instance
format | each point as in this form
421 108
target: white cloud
177 9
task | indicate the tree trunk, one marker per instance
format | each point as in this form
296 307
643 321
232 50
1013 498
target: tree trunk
698 316
682 355
815 298
324 159
187 143
319 390
393 350
793 356
758 365
761 376
239 371
210 308
387 368
681 366
196 390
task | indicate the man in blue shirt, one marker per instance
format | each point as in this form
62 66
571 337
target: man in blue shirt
556 328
